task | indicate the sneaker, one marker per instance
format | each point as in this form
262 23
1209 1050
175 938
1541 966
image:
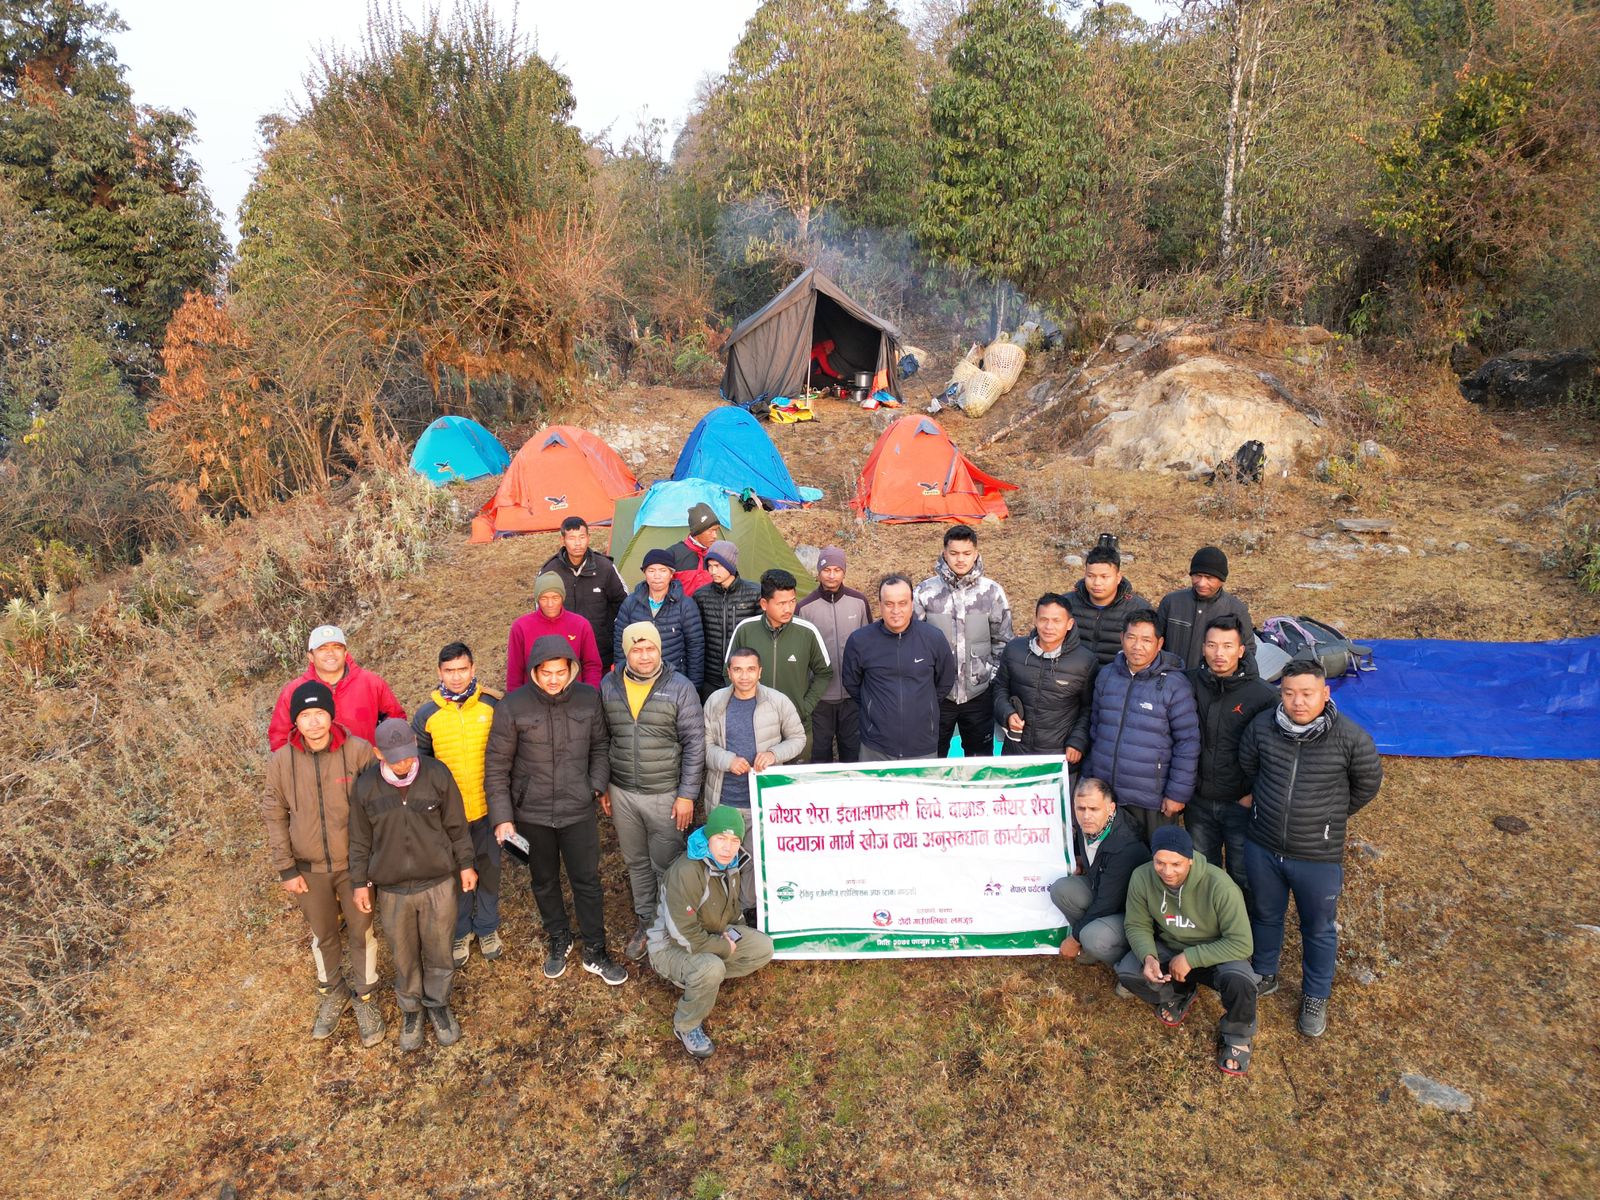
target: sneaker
1268 985
696 1042
369 1021
446 1029
555 963
460 949
1123 993
489 945
1313 1015
638 941
411 1031
603 965
329 1009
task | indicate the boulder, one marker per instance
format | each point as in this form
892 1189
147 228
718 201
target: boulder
1201 410
1525 379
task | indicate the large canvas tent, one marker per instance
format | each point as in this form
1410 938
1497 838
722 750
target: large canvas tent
916 473
560 472
729 447
636 531
769 353
458 448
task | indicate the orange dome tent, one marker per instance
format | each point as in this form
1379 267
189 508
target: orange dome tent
560 472
915 473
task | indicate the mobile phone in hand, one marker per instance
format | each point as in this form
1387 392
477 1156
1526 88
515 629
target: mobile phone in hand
733 933
518 845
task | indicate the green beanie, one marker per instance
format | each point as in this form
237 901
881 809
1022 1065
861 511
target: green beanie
724 818
549 582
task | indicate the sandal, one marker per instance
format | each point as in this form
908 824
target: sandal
1229 1052
1173 1013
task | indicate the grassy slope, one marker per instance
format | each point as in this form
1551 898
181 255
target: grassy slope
947 1078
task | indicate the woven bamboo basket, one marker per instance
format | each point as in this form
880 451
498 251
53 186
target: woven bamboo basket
964 370
979 393
1004 361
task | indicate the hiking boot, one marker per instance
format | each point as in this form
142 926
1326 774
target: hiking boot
638 942
369 1021
1268 985
489 945
555 963
446 1029
695 1041
1313 1015
460 949
608 969
331 1007
411 1031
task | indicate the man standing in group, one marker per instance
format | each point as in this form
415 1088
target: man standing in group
660 600
896 669
1041 695
689 555
657 756
545 772
550 617
749 727
1102 600
1185 613
793 659
594 589
972 612
363 697
1227 694
1143 733
698 938
408 839
453 726
1186 926
724 602
836 612
1107 851
1308 768
307 811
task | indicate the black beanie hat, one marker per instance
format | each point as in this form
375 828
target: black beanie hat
1208 560
313 693
1174 838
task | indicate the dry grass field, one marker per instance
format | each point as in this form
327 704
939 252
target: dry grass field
186 1069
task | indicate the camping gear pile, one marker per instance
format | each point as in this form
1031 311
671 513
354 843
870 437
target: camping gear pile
982 377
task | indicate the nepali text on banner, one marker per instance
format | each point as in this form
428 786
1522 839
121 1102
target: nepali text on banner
928 857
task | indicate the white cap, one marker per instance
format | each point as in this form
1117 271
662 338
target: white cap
323 634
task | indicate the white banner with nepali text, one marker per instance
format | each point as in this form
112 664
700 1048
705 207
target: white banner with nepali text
920 858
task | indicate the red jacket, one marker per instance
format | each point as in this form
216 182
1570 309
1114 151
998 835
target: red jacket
360 700
689 564
527 629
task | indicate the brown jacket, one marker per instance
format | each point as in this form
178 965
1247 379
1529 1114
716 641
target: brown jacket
306 804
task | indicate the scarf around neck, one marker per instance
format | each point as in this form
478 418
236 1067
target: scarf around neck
1315 728
401 781
460 697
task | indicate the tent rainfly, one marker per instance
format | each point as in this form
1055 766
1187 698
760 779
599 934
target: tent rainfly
560 472
769 353
458 448
729 447
915 473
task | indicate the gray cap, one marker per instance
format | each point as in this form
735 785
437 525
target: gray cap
322 635
395 740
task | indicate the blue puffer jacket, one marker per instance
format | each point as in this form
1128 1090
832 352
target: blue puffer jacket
1144 733
678 622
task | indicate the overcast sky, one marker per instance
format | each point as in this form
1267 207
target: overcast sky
231 63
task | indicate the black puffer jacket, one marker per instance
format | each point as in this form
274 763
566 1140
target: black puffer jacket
720 610
1226 706
1182 618
1100 629
662 750
594 591
1052 694
1306 789
547 756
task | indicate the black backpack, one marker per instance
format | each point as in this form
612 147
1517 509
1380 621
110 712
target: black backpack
1245 466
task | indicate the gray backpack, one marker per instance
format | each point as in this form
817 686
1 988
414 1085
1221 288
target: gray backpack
1303 637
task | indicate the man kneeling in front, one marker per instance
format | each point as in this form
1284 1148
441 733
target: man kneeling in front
1186 924
698 938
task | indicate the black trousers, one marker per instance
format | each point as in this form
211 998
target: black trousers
836 731
975 719
578 847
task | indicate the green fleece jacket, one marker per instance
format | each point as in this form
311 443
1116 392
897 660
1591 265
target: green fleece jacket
1204 918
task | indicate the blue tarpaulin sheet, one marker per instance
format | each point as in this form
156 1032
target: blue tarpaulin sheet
1439 699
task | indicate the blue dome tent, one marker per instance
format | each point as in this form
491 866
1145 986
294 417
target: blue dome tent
729 447
458 448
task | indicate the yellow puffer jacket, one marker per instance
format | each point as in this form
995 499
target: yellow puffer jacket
456 734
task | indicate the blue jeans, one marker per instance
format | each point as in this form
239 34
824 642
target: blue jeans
478 911
1218 831
1316 887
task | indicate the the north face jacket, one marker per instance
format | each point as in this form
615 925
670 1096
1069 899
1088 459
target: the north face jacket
306 804
1144 734
974 615
1099 628
594 591
456 732
683 644
699 901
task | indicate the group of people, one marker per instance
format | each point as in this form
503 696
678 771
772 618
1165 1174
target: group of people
1205 799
